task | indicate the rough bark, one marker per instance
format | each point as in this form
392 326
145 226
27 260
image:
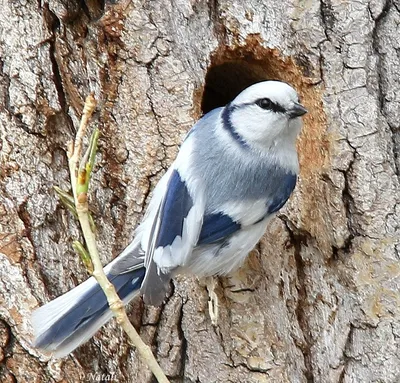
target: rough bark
318 300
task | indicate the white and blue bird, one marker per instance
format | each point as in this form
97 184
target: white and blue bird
236 168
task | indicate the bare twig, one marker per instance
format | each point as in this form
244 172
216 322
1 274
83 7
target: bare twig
80 184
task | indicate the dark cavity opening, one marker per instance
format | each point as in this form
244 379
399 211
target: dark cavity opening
225 81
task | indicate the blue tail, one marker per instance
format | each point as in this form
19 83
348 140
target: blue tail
63 324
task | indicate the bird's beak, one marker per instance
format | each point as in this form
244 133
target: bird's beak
297 110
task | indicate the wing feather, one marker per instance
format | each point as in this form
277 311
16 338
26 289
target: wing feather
174 228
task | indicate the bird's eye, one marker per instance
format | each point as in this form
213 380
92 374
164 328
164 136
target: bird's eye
264 103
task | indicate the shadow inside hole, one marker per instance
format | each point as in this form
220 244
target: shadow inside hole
225 81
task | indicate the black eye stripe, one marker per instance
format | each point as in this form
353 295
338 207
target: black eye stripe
267 104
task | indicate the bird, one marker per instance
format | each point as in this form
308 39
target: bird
235 169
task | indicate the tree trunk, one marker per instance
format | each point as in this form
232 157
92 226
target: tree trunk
318 300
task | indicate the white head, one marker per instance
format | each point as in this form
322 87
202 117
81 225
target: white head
266 114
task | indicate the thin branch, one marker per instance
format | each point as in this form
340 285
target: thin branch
80 185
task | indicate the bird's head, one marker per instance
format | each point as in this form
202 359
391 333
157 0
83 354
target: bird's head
266 114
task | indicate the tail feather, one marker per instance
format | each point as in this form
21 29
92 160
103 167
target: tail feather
70 320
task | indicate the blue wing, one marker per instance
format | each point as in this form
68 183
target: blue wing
174 233
238 214
282 192
216 227
174 210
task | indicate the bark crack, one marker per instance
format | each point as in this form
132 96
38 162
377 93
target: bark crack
6 86
220 30
164 166
327 17
300 238
53 23
349 206
183 341
379 23
346 358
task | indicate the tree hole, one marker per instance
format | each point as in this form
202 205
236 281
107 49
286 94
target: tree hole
225 81
233 69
